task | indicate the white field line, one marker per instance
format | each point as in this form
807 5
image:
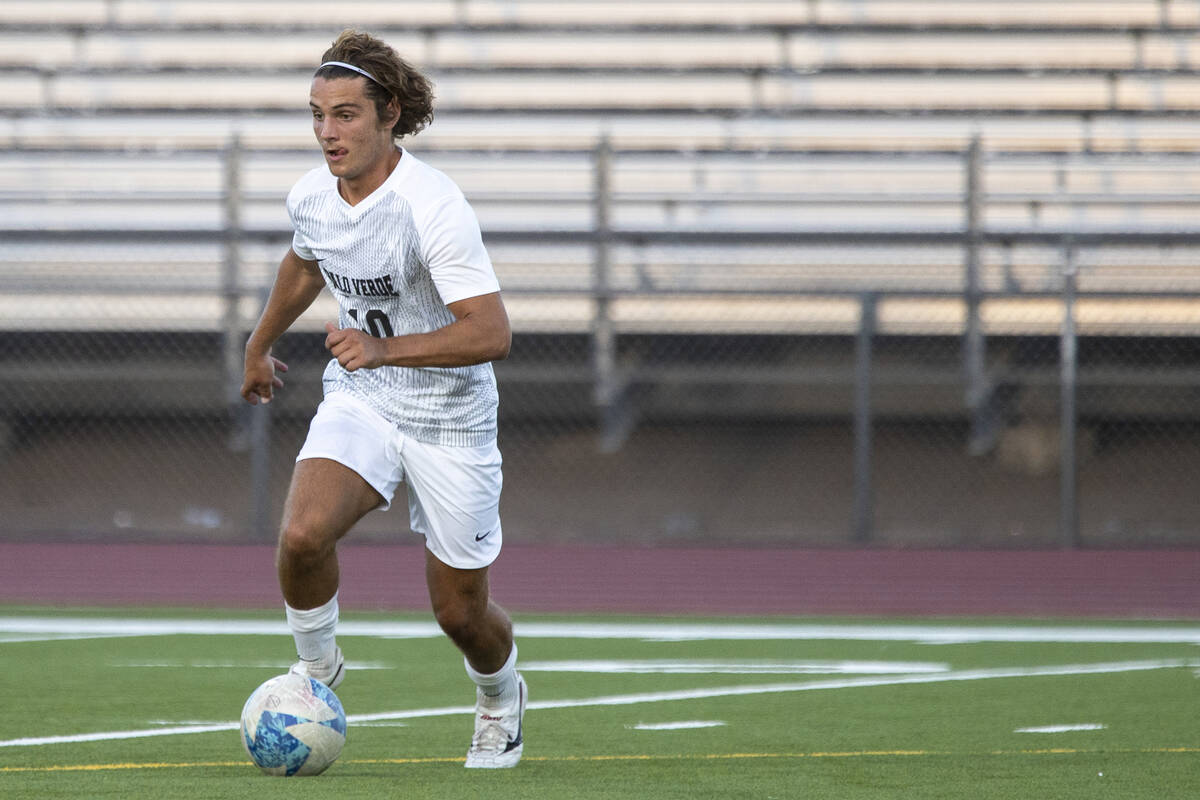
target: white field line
104 736
279 665
613 667
16 638
675 726
854 683
659 697
736 667
1083 726
33 626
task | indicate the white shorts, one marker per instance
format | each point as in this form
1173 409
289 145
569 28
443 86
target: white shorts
453 492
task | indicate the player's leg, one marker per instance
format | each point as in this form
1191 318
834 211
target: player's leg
454 500
347 466
324 501
464 610
483 632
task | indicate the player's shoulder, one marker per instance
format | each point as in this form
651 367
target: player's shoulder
425 185
318 179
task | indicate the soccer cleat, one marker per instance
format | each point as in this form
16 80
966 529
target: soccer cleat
313 669
498 739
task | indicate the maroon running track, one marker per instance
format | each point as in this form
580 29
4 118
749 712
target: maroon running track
714 581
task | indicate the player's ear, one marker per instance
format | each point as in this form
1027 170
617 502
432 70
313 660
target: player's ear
391 113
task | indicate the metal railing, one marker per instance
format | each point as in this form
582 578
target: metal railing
610 373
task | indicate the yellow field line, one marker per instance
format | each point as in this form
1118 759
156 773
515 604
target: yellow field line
106 767
1054 751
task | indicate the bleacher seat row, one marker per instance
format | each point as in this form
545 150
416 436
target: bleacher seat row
714 50
30 93
845 117
168 14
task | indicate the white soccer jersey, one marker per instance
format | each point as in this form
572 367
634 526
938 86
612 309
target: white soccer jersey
394 262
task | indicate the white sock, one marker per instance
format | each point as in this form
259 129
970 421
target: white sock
314 631
500 686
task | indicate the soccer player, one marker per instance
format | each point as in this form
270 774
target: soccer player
409 395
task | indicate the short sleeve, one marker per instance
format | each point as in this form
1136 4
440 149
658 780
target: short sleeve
453 248
301 247
299 244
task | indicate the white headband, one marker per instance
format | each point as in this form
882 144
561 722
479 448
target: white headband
344 65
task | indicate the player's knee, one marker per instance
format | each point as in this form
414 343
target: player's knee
302 542
453 619
456 619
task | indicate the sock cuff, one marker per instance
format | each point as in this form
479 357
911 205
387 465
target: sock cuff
497 678
309 620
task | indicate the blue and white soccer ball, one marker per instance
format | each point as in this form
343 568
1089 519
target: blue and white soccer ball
293 725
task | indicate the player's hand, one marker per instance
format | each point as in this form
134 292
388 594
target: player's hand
260 380
353 348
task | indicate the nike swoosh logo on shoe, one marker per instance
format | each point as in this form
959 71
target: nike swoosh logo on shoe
337 676
516 742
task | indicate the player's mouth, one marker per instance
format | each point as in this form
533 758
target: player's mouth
335 154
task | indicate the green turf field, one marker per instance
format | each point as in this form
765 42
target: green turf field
142 704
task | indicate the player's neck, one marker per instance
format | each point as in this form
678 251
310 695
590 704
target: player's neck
355 190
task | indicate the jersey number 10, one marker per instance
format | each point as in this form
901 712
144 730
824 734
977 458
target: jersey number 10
375 322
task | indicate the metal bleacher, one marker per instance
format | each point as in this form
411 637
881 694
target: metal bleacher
675 168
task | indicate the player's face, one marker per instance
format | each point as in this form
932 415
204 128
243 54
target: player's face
357 144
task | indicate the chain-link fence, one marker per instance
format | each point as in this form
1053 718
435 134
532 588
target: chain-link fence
942 348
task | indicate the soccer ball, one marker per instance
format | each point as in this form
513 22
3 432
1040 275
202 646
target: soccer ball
293 725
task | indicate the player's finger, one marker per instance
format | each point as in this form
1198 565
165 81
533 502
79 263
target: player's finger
331 335
279 365
350 352
250 392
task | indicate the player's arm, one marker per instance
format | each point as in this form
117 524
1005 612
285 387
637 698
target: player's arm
480 332
297 284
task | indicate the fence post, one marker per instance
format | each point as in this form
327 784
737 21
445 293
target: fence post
974 354
231 294
607 390
251 427
260 473
864 501
1068 517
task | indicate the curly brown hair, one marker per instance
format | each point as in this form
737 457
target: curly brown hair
394 77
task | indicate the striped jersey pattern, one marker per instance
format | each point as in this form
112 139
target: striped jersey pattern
394 261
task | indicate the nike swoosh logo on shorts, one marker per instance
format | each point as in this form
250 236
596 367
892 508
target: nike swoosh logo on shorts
479 537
